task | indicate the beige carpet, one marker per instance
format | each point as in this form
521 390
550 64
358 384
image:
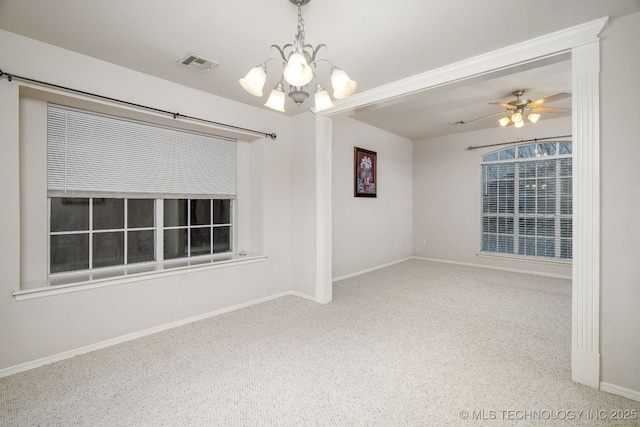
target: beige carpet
415 344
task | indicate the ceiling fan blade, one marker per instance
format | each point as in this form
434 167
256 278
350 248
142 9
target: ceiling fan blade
551 110
464 122
507 106
556 97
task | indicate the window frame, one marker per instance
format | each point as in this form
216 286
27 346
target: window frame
518 251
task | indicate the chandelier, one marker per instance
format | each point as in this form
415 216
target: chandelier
299 64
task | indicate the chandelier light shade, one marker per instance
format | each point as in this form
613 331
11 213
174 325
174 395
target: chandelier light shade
297 72
253 82
322 98
299 69
343 86
276 98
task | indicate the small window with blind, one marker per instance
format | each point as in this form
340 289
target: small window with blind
123 192
527 201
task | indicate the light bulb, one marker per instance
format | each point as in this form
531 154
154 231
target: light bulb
504 121
519 124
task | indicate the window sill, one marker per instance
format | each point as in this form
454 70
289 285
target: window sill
74 282
537 260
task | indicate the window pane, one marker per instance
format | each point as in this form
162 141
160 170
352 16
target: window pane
200 212
175 212
505 244
200 241
490 157
509 153
490 224
108 214
565 167
527 246
175 243
490 204
221 239
140 246
108 249
566 229
566 249
140 213
69 252
527 200
222 211
527 169
546 149
565 148
527 151
489 243
546 227
505 225
69 214
546 248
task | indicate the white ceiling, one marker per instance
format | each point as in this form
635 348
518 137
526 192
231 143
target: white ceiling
376 42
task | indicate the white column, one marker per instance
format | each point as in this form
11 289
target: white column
324 285
585 349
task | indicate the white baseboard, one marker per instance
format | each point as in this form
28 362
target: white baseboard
620 391
514 270
301 295
129 337
368 270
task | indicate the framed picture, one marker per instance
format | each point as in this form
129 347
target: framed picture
365 168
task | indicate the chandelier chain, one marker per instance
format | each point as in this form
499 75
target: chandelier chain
300 27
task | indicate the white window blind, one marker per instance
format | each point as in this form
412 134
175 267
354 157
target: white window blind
93 153
526 201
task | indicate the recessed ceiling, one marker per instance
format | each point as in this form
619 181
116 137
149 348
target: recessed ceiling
439 111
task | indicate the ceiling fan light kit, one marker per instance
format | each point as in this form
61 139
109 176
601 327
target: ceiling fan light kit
299 65
517 109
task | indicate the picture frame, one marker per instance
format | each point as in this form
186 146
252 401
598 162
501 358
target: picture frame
365 172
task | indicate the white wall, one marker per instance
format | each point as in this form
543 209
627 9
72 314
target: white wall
369 232
620 198
446 194
38 328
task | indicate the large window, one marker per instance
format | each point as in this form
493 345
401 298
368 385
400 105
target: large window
526 201
124 192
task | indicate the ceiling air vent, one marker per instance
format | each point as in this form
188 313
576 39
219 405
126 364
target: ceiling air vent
197 62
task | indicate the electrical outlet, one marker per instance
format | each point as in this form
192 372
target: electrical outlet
424 242
276 269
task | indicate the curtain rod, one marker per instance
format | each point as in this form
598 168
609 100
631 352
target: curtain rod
157 110
475 147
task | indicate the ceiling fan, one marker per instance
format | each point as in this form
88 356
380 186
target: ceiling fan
517 109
